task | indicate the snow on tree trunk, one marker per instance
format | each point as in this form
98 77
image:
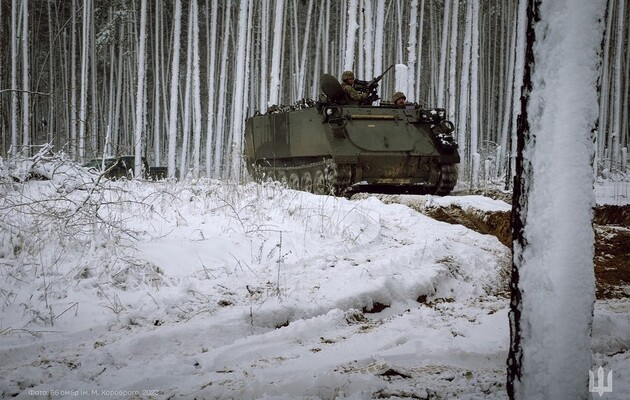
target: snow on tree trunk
378 37
264 45
401 78
196 92
474 82
14 73
239 98
617 94
519 65
84 78
183 163
417 93
221 112
26 109
274 85
553 283
351 34
172 120
411 50
212 51
510 108
140 92
157 90
464 91
605 84
317 67
450 111
443 50
368 41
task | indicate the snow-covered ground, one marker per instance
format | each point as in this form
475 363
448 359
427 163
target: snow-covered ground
208 290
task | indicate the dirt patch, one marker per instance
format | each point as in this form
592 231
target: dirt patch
611 224
612 261
612 240
496 223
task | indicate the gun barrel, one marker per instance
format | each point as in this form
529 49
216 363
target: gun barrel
378 78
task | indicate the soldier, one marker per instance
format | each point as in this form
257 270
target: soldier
399 99
347 79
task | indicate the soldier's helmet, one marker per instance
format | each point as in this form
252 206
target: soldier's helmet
347 75
397 96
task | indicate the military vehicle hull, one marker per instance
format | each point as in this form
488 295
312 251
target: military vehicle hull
329 148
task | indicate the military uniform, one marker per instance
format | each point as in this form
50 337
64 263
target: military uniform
349 90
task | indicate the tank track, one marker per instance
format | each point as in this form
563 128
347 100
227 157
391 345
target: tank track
448 179
322 177
326 177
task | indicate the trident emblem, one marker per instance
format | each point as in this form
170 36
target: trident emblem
602 387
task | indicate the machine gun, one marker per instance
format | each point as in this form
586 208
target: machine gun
370 86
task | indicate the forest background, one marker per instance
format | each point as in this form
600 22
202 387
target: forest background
175 80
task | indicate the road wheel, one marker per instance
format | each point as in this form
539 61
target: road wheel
319 183
294 181
306 183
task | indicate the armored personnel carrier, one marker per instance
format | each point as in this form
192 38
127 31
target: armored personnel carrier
336 146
